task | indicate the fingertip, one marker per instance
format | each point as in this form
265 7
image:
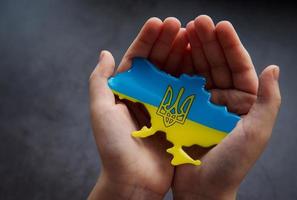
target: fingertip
204 21
205 28
172 19
180 42
182 34
96 71
203 16
224 23
269 88
192 35
154 21
100 94
181 37
190 28
276 72
151 28
172 22
165 40
106 64
143 43
190 25
270 71
224 26
153 25
227 35
182 30
103 53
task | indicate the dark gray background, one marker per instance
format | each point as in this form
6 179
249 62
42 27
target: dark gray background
47 51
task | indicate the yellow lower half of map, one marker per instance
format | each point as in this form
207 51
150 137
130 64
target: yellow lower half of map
187 134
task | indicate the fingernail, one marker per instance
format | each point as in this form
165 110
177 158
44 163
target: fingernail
276 73
101 56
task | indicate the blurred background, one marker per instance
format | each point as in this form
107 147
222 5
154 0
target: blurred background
48 49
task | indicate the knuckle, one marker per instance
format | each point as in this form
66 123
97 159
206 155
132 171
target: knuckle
279 99
254 134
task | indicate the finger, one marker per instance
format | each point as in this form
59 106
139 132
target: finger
100 93
234 156
236 101
143 43
220 72
176 53
162 47
243 72
201 66
263 113
187 66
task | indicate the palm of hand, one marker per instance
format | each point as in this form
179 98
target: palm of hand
124 156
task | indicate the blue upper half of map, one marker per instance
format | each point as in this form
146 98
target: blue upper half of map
147 84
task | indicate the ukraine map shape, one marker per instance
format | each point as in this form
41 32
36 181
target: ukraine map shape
180 107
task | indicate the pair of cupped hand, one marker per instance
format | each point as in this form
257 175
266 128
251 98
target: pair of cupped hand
135 168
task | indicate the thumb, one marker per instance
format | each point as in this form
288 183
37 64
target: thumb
262 115
236 154
100 93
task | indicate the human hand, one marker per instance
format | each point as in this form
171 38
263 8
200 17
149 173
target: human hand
225 165
131 168
218 55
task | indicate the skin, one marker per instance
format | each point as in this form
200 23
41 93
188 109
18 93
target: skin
140 168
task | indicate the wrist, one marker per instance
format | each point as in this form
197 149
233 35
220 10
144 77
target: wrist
105 188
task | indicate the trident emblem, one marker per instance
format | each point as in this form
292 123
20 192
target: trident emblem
174 112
